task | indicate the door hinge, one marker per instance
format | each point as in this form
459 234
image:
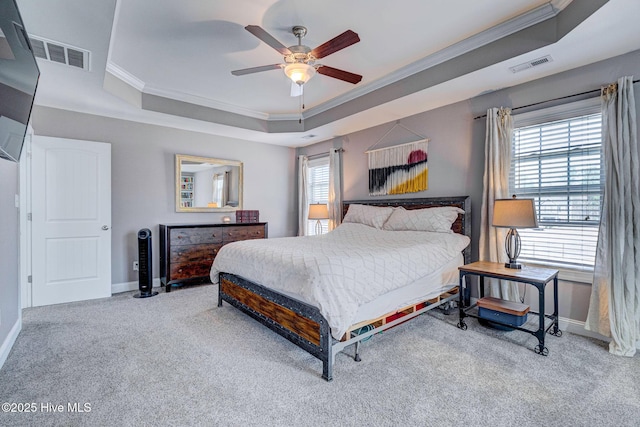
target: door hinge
29 218
29 279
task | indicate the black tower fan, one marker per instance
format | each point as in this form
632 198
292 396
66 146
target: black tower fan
145 274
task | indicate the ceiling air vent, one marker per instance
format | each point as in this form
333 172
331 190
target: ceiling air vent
531 64
59 52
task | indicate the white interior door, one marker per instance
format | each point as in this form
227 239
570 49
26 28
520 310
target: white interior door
71 220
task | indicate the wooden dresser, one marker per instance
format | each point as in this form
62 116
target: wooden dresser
187 250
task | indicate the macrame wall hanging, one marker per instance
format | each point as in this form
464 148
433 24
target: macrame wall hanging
399 169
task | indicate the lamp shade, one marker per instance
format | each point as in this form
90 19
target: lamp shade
318 211
299 72
514 213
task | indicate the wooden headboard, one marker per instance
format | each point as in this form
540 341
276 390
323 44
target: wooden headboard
462 225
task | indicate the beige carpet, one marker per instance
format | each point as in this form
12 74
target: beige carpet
178 359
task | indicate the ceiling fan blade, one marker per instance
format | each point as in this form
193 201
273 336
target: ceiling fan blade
339 74
260 33
345 39
296 89
256 69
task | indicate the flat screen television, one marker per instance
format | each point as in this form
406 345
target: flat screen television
19 75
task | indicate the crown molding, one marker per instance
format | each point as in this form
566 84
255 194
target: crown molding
125 76
145 88
504 29
285 117
560 4
520 22
205 102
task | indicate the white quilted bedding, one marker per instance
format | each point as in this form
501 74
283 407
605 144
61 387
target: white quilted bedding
342 270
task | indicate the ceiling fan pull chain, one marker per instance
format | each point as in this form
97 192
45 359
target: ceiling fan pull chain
301 107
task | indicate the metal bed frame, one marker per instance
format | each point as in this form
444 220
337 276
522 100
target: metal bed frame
301 323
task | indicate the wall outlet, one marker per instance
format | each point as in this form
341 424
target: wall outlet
135 265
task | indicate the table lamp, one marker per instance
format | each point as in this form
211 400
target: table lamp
318 211
514 213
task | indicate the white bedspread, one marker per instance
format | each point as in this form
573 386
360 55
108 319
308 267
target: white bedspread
342 270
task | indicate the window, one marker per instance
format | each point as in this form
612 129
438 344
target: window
318 190
558 163
218 190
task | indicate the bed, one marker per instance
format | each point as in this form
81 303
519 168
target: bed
324 293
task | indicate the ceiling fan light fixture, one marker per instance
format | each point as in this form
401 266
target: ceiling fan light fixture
299 72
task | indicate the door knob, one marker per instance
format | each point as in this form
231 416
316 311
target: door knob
105 227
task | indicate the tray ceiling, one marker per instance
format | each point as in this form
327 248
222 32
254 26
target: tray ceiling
168 62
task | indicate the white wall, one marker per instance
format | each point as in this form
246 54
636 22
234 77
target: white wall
143 173
456 147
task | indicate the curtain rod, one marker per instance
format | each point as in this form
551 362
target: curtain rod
552 100
315 156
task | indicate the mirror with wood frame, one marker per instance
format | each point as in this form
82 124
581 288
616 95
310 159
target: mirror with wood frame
205 184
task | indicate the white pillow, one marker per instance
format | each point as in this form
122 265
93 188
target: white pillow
373 216
437 219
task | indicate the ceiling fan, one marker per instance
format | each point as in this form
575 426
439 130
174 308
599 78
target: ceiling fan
300 60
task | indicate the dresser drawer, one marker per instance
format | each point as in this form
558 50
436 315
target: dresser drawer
187 251
191 270
193 236
189 261
186 254
235 233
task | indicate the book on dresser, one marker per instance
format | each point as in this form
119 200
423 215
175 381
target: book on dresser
188 250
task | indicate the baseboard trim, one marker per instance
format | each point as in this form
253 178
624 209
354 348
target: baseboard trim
570 325
577 327
7 345
117 288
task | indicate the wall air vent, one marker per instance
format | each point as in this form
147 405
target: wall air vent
531 64
61 53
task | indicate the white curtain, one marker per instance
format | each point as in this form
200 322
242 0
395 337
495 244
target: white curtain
497 162
614 309
335 188
215 195
220 193
303 197
225 189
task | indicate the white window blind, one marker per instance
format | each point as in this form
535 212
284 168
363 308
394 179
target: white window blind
559 165
318 190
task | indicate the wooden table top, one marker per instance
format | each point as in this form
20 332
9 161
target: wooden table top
497 269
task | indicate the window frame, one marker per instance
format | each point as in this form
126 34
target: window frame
561 112
319 162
